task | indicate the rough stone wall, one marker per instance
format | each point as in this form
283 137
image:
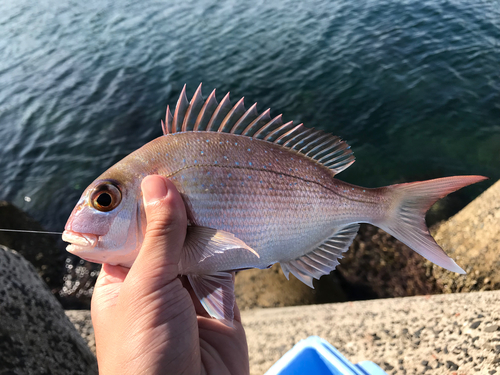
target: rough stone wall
36 337
43 251
472 238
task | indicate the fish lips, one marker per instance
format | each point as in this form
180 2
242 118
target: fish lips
79 241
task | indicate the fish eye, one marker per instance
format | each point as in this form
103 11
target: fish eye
106 197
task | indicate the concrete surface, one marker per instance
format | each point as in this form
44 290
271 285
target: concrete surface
440 334
472 239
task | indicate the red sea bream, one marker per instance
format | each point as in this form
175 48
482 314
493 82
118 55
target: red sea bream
256 192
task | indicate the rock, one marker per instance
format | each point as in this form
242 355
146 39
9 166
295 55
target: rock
475 324
451 365
42 250
270 288
379 266
472 238
36 337
82 321
491 328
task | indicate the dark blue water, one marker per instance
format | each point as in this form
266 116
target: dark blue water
413 86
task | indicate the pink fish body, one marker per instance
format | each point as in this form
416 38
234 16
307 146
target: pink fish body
256 192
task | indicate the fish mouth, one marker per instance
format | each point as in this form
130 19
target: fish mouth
79 241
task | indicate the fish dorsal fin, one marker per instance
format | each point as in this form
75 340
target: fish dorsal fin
208 115
323 259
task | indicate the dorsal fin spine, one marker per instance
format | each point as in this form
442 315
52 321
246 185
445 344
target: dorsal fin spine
335 150
226 123
341 163
251 112
319 148
199 115
293 142
312 143
204 115
260 134
332 153
217 113
298 146
276 132
264 116
168 121
180 110
283 138
195 101
328 147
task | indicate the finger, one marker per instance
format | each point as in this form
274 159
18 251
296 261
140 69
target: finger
104 300
165 232
107 286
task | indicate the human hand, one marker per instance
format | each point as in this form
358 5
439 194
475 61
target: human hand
146 319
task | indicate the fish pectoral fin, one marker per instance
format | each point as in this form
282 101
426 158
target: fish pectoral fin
216 294
203 242
323 259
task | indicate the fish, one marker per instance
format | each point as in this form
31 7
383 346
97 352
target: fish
257 191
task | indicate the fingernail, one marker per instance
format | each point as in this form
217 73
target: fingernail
153 188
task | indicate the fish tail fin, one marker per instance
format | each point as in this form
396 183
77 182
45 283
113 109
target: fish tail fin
406 218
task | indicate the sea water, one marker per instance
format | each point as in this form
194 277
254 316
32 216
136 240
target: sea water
413 86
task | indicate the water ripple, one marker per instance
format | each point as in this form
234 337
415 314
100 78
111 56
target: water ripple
413 86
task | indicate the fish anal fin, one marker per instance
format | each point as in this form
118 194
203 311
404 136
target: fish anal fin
323 259
216 294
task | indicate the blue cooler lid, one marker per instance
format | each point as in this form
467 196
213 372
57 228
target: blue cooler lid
317 356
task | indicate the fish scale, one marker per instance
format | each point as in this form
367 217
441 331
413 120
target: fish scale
292 209
256 192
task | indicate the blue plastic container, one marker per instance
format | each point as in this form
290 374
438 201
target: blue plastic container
317 356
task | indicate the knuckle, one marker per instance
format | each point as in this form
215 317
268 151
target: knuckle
163 221
159 231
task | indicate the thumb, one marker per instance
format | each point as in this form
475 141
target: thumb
165 232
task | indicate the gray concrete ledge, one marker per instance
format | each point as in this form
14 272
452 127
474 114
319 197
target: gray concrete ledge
440 334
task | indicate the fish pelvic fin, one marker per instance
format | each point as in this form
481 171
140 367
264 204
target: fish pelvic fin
202 243
405 220
216 289
216 294
323 259
208 115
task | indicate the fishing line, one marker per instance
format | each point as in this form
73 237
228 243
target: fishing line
28 231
